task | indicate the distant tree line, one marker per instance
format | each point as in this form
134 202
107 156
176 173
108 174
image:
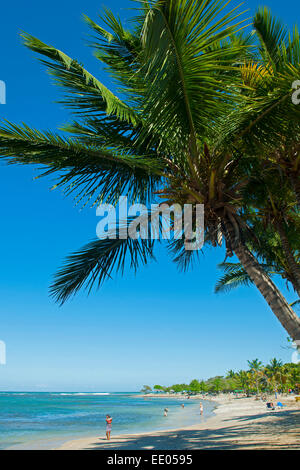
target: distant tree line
258 378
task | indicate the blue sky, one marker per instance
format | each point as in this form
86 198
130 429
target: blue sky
159 326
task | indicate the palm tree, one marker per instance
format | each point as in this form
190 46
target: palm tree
182 69
255 365
202 386
256 371
231 374
273 371
265 131
275 128
277 237
293 375
269 251
243 379
274 365
216 384
280 56
277 212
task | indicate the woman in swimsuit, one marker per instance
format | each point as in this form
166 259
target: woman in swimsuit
108 426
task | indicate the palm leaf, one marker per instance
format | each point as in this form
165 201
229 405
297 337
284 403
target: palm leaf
96 261
88 170
183 258
236 276
271 34
180 66
85 94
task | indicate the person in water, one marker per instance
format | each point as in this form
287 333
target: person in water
201 408
108 426
166 412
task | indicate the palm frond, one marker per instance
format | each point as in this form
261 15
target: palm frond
120 51
271 34
183 258
85 94
260 121
96 262
235 276
87 170
181 67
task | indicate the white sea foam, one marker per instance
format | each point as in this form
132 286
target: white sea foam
83 393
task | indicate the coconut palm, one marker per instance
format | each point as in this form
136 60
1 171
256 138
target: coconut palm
293 375
273 376
272 130
256 371
270 121
255 365
183 69
274 373
274 365
276 224
277 212
277 151
243 379
231 374
280 56
269 250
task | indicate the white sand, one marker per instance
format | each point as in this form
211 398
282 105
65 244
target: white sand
239 423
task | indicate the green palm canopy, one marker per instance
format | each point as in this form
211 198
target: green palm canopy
201 106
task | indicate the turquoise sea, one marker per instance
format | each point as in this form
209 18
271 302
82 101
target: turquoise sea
46 420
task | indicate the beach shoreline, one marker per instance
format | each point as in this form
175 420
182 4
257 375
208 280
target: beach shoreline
152 421
237 423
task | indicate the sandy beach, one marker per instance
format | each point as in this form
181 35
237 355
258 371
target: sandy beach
238 423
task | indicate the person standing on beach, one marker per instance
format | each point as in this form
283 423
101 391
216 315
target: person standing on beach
201 408
108 426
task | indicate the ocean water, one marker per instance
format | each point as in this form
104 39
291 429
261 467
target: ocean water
46 420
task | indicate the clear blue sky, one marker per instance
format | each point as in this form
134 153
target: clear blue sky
159 326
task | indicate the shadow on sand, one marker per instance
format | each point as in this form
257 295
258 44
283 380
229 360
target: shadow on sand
263 434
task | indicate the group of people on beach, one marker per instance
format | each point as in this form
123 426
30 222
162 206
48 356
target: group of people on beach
182 406
166 410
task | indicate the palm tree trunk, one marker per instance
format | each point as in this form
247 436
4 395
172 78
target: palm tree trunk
293 265
279 306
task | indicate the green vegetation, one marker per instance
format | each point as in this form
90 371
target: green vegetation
257 379
206 116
